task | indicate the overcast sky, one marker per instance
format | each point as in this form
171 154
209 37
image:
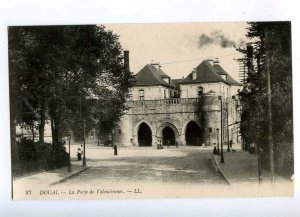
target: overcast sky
181 47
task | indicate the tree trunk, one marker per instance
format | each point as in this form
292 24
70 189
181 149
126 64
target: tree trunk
32 131
56 135
53 132
42 122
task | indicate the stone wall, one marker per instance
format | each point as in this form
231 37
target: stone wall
176 114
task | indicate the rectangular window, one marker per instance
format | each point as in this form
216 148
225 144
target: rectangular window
141 94
200 91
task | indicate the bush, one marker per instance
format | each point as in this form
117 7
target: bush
35 156
26 150
58 157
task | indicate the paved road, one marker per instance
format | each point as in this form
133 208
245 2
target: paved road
181 166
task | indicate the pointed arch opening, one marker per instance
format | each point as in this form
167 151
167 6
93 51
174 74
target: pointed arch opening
144 135
193 134
168 136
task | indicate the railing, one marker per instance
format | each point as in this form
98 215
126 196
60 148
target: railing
171 101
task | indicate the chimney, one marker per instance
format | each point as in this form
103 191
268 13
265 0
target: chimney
216 62
194 74
210 61
126 60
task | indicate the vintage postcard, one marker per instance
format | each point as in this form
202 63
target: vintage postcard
130 111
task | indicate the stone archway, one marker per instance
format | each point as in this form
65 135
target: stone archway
168 134
193 134
144 135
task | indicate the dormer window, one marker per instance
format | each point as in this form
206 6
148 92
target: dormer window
167 80
224 77
141 94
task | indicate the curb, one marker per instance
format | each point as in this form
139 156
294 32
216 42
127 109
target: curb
70 176
220 171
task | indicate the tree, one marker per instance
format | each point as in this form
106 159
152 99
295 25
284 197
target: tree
59 66
272 42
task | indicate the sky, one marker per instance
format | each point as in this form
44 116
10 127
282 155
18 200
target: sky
181 47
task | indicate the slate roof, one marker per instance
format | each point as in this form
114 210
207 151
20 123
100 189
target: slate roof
207 73
149 75
229 79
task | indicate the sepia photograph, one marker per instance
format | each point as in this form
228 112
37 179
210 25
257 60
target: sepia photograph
151 111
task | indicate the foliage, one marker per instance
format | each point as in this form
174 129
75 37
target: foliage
34 156
272 50
65 72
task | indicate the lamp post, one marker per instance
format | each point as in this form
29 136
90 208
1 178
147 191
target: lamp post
69 164
218 140
228 147
222 154
84 160
209 132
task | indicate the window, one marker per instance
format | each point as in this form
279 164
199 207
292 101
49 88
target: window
224 77
200 91
165 95
141 94
167 80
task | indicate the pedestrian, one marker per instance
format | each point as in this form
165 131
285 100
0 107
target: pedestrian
79 153
215 151
115 149
230 143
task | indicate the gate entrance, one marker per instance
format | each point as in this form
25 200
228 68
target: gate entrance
193 134
168 136
144 135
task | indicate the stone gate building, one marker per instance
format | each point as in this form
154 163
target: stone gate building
183 112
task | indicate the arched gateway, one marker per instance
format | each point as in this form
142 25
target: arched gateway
144 135
168 134
193 135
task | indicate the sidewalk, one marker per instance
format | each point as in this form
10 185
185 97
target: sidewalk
49 178
242 167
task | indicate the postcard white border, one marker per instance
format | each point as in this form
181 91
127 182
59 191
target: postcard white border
34 12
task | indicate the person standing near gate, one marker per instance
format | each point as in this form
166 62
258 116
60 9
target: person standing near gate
115 149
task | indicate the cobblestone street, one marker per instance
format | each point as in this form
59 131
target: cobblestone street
151 173
188 165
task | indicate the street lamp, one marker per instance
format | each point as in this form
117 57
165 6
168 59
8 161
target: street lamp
69 164
218 140
84 160
227 109
222 154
